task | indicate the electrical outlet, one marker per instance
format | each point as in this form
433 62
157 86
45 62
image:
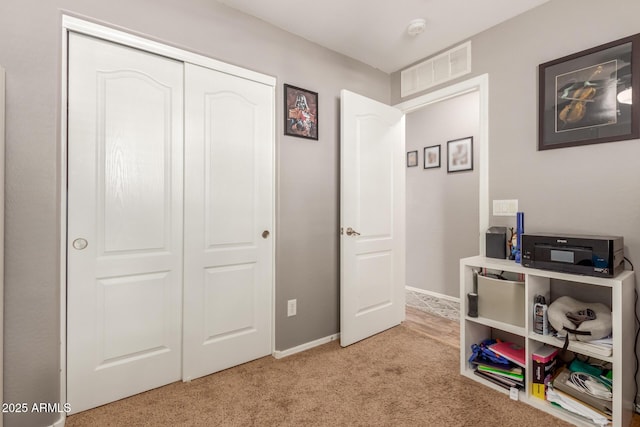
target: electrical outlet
292 307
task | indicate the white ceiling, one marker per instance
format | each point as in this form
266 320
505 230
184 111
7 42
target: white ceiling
375 31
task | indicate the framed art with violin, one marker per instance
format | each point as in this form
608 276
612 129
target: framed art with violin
585 98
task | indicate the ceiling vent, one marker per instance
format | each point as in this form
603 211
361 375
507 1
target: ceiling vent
446 66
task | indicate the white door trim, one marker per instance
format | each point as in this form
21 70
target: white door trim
70 23
480 84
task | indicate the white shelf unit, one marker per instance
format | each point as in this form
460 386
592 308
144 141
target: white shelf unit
539 282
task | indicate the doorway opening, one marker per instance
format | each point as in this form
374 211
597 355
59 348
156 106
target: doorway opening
443 206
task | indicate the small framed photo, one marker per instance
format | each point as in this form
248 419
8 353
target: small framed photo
460 155
412 158
585 98
432 157
300 112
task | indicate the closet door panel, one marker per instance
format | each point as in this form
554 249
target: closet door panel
228 205
124 272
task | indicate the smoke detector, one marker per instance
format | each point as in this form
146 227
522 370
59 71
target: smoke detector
416 27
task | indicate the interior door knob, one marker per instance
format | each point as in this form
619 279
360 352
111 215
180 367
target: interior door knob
352 232
265 234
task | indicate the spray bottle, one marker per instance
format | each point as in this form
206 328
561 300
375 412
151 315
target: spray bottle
540 321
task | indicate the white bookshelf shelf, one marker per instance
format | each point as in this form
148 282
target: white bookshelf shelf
539 282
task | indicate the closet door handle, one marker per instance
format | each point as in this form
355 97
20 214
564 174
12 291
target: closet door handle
80 244
265 234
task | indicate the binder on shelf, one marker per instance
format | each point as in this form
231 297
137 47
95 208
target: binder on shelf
503 382
510 351
476 361
501 372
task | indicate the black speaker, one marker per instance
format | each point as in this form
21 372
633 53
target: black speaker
472 298
496 242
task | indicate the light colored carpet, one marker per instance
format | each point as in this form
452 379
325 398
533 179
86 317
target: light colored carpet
400 377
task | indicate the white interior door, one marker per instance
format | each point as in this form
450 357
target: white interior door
228 221
124 227
372 204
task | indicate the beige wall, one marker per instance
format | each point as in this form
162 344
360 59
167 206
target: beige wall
442 208
307 189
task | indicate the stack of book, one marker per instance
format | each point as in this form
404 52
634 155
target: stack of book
509 375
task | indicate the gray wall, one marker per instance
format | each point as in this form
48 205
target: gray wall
442 208
585 189
591 189
307 191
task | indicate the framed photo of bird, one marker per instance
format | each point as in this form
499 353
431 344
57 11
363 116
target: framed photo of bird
300 112
585 98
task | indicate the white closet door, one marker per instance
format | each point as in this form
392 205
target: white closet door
125 186
228 242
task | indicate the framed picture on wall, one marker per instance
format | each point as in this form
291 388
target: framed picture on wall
432 157
585 98
412 158
460 155
300 112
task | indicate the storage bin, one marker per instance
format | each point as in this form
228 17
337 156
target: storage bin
501 300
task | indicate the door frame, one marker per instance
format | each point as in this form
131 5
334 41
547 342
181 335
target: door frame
481 85
101 31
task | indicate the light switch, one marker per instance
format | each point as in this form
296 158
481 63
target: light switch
505 207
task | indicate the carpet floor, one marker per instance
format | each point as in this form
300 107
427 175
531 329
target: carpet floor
397 378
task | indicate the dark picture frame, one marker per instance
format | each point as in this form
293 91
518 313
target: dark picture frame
412 158
432 157
582 96
300 112
460 155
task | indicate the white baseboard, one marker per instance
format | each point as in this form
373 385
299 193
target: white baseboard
433 294
306 346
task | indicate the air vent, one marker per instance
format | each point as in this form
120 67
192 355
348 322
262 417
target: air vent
446 66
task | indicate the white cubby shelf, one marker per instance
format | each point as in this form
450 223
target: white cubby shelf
540 282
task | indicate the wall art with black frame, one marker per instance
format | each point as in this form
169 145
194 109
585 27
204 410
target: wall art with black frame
300 112
432 157
412 159
460 155
585 98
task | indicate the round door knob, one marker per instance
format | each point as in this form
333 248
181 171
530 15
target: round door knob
265 234
80 244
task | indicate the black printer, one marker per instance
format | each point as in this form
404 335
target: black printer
599 256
